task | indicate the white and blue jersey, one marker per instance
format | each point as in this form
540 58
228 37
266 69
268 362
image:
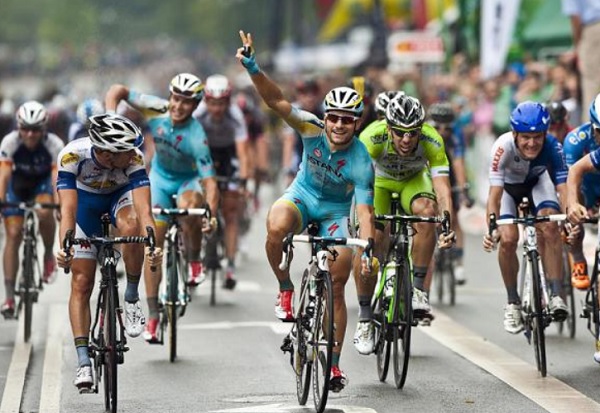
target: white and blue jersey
99 190
182 155
327 181
578 143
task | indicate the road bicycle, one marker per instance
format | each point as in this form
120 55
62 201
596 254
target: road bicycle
108 341
532 280
393 316
30 283
310 341
568 296
590 306
175 296
214 252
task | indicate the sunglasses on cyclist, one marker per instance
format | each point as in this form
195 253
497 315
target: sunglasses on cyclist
31 128
406 133
346 120
186 93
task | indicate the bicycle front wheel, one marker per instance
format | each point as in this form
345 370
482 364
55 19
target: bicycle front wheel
302 362
110 355
539 323
401 323
27 288
172 298
322 342
382 328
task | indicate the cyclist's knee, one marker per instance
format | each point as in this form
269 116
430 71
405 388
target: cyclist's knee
82 283
190 199
14 233
128 226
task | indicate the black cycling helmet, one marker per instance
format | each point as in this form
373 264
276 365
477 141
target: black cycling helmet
442 112
558 112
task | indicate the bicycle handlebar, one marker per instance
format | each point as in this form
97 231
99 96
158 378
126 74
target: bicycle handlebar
290 239
527 220
181 211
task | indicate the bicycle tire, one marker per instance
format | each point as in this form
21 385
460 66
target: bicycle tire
450 278
27 290
302 366
172 298
213 287
439 275
538 321
110 355
322 350
401 323
569 297
382 344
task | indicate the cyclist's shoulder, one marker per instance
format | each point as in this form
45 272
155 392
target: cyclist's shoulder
430 138
75 152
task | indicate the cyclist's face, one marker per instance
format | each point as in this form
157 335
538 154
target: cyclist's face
31 137
217 107
530 144
405 142
596 132
340 128
181 108
444 129
115 160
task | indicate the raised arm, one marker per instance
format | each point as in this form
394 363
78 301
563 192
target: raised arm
116 93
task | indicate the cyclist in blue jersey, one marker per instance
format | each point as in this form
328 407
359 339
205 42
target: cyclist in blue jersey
181 166
578 143
102 174
335 168
86 109
27 173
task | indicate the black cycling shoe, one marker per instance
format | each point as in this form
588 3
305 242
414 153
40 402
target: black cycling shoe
229 283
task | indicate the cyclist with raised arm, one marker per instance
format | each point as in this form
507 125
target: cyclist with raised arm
410 160
103 174
581 141
227 137
527 162
335 168
181 166
27 173
441 117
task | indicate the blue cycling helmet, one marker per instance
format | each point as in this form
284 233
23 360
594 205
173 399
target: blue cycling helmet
530 117
594 110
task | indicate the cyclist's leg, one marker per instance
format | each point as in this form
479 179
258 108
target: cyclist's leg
340 272
13 226
590 194
47 225
381 204
190 195
231 207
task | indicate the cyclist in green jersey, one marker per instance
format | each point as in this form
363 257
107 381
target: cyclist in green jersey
410 159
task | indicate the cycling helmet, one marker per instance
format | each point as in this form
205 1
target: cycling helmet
32 114
594 111
344 99
442 112
114 133
187 85
217 86
405 112
88 108
530 117
383 99
362 86
557 111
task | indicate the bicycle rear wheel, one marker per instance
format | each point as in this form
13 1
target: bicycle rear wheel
27 288
382 343
538 321
568 297
110 355
322 342
172 298
401 323
302 364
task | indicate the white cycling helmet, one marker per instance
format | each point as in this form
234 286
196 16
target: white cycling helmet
87 109
114 133
32 114
344 99
405 112
217 86
383 100
187 85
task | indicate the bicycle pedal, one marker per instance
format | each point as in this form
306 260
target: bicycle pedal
85 389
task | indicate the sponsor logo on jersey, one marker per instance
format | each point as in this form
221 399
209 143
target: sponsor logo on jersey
340 164
317 152
379 138
69 158
324 165
496 159
137 160
333 228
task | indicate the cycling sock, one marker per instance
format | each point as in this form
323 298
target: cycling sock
152 307
513 295
419 277
555 286
81 345
9 286
193 256
131 291
365 313
335 359
286 285
231 262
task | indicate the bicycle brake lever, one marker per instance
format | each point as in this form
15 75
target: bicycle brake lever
151 244
67 244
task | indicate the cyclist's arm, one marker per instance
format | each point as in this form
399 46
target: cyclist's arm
242 148
68 211
54 180
5 175
443 193
576 172
493 203
148 150
143 206
212 194
116 93
561 189
366 219
271 94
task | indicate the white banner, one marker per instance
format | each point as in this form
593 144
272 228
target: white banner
498 18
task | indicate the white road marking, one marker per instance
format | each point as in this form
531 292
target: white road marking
15 378
52 372
549 392
280 408
228 325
